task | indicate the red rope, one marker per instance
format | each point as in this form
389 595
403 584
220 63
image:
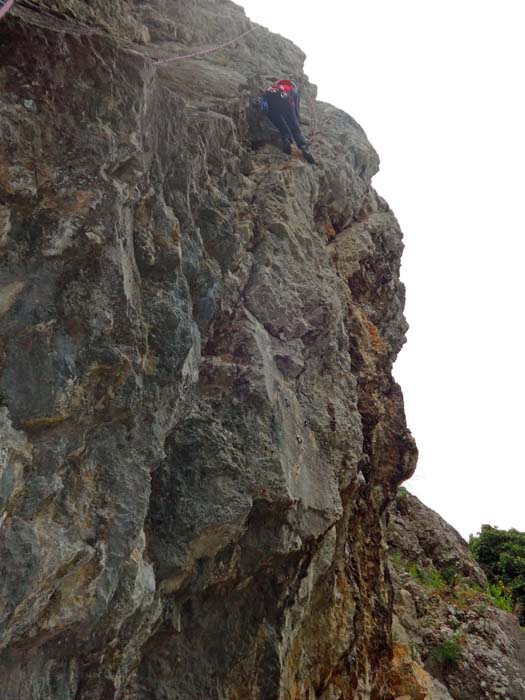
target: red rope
9 3
205 51
6 8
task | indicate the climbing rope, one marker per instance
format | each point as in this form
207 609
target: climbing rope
5 6
205 51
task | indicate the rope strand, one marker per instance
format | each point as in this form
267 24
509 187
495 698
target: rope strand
205 51
5 6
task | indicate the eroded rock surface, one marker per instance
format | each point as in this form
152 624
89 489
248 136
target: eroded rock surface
445 621
203 434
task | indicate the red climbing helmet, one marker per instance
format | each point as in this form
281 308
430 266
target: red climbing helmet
286 85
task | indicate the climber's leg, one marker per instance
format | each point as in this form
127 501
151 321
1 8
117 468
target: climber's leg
282 127
288 112
275 115
291 119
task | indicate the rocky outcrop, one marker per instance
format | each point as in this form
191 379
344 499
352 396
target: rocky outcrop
445 620
202 433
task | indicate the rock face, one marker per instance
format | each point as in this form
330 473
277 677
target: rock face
201 435
444 620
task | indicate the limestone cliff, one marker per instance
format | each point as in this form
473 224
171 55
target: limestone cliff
451 641
200 435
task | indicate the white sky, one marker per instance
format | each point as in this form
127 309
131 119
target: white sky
439 89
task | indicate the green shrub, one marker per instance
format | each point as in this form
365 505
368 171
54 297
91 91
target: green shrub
449 574
448 653
435 580
501 554
502 596
428 576
415 571
468 595
397 557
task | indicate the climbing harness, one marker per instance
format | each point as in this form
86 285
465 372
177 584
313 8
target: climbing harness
205 51
5 6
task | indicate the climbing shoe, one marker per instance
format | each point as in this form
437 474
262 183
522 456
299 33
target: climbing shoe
307 155
287 148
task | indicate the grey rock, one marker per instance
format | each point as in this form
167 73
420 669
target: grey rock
196 341
491 662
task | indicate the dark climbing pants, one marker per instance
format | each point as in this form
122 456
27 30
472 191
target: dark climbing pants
282 114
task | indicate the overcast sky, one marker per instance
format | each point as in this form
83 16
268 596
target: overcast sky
439 89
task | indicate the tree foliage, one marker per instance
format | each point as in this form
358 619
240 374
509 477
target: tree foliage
501 554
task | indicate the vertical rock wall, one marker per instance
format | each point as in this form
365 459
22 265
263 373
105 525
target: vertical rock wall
201 432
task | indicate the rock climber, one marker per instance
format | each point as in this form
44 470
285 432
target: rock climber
280 103
5 5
